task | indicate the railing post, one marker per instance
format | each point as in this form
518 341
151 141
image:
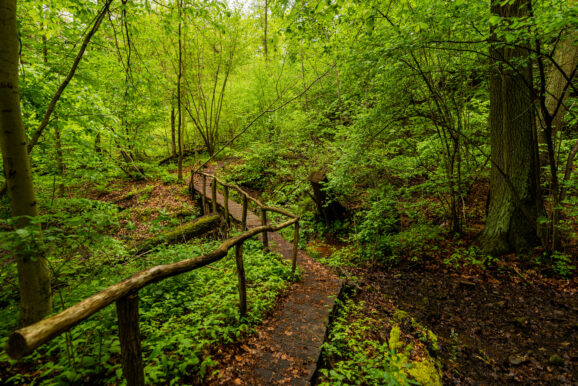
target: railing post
204 195
244 215
241 275
129 336
226 199
192 186
264 223
295 246
214 191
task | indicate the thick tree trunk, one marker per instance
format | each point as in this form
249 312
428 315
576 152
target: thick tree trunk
33 273
514 193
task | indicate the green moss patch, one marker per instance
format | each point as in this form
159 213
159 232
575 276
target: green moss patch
364 348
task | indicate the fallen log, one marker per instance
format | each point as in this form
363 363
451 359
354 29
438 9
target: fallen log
186 231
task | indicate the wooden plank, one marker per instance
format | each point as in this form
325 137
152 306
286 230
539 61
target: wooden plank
226 206
244 214
204 195
214 194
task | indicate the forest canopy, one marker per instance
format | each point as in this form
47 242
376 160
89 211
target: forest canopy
402 134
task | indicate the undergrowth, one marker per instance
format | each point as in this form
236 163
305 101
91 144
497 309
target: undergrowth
354 356
180 317
365 348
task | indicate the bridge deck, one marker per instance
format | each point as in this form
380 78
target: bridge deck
288 345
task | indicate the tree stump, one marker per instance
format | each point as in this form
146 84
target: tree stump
330 211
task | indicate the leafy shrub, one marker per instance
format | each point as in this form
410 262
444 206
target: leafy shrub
470 257
258 165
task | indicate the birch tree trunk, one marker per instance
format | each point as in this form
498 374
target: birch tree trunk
33 273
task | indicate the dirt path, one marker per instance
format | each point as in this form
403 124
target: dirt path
287 346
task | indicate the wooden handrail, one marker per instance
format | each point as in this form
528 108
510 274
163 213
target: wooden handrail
242 192
23 341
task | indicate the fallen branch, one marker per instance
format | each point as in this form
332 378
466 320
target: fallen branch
198 227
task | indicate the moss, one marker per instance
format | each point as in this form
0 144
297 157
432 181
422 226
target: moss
425 335
425 372
432 339
394 338
195 228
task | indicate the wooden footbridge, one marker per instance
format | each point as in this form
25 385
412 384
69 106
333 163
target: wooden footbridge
290 346
293 340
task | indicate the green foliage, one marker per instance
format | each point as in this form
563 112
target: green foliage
376 226
258 168
360 351
180 318
356 358
470 257
69 228
562 264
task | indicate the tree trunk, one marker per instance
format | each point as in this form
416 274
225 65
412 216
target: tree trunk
173 136
179 98
330 211
33 273
265 30
59 159
566 57
514 194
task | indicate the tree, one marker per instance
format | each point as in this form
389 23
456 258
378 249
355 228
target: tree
33 273
215 50
515 199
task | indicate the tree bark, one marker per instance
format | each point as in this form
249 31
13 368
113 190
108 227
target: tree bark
514 193
566 57
33 273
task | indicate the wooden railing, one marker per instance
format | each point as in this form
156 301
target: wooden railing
263 209
125 293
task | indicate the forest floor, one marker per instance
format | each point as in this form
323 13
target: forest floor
492 327
510 321
505 324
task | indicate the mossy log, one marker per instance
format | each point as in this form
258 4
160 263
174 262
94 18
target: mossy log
198 227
